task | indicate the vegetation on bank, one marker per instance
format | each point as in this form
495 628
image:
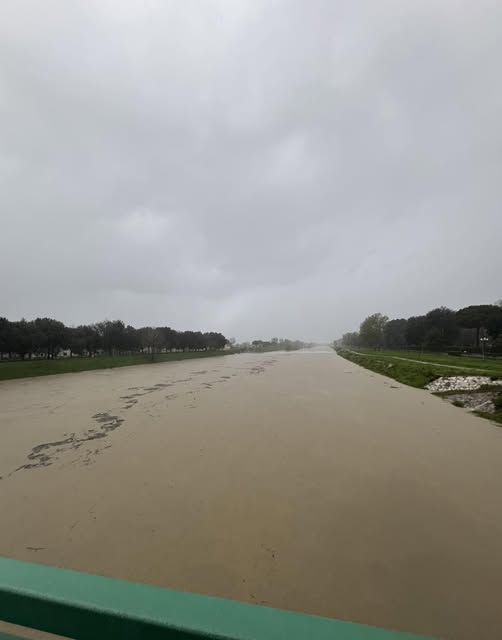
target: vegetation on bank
421 369
440 343
413 374
275 344
45 346
476 329
469 365
48 338
33 368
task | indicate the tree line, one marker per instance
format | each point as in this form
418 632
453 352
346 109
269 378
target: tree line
46 337
472 329
275 344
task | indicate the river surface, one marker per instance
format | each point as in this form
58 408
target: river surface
295 480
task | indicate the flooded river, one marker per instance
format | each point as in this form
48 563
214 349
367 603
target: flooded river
295 480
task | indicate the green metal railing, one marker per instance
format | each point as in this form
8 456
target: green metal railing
87 607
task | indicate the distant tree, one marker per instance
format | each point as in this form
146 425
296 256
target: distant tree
434 339
22 338
442 327
93 341
46 336
394 334
213 340
482 316
351 339
170 338
6 337
151 339
371 331
130 339
76 340
415 331
192 341
49 336
112 335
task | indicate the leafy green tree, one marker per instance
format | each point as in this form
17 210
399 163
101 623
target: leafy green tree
434 339
151 339
6 336
481 316
371 331
22 338
442 327
351 339
213 340
76 338
130 339
170 338
112 335
415 331
49 336
394 334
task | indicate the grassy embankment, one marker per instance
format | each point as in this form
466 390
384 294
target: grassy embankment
418 369
31 368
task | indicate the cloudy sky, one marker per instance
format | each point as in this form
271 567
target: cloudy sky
260 167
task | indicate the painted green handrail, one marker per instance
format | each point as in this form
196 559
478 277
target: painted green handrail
87 607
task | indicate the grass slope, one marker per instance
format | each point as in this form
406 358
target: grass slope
32 368
420 369
481 367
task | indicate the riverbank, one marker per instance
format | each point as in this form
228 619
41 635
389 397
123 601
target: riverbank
420 370
35 368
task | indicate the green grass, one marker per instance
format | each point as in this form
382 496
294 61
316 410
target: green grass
413 374
496 417
487 367
32 368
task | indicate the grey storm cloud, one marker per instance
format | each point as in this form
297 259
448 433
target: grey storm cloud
257 167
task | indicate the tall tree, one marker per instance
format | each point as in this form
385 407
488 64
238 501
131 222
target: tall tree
6 335
371 331
49 336
351 339
415 331
22 338
170 338
112 334
481 316
395 334
442 328
151 339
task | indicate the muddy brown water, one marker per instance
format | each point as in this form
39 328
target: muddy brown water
295 480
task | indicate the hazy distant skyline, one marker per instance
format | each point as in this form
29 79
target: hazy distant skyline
261 168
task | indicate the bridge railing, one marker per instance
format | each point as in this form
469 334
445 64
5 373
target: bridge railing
87 607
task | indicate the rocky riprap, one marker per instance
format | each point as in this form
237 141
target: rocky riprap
474 393
462 383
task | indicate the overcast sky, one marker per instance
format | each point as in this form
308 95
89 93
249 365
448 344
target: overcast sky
259 167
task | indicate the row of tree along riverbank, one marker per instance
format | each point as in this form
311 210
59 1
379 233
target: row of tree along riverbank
473 329
46 346
49 338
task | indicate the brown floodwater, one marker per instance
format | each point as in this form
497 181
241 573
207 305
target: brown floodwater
295 480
